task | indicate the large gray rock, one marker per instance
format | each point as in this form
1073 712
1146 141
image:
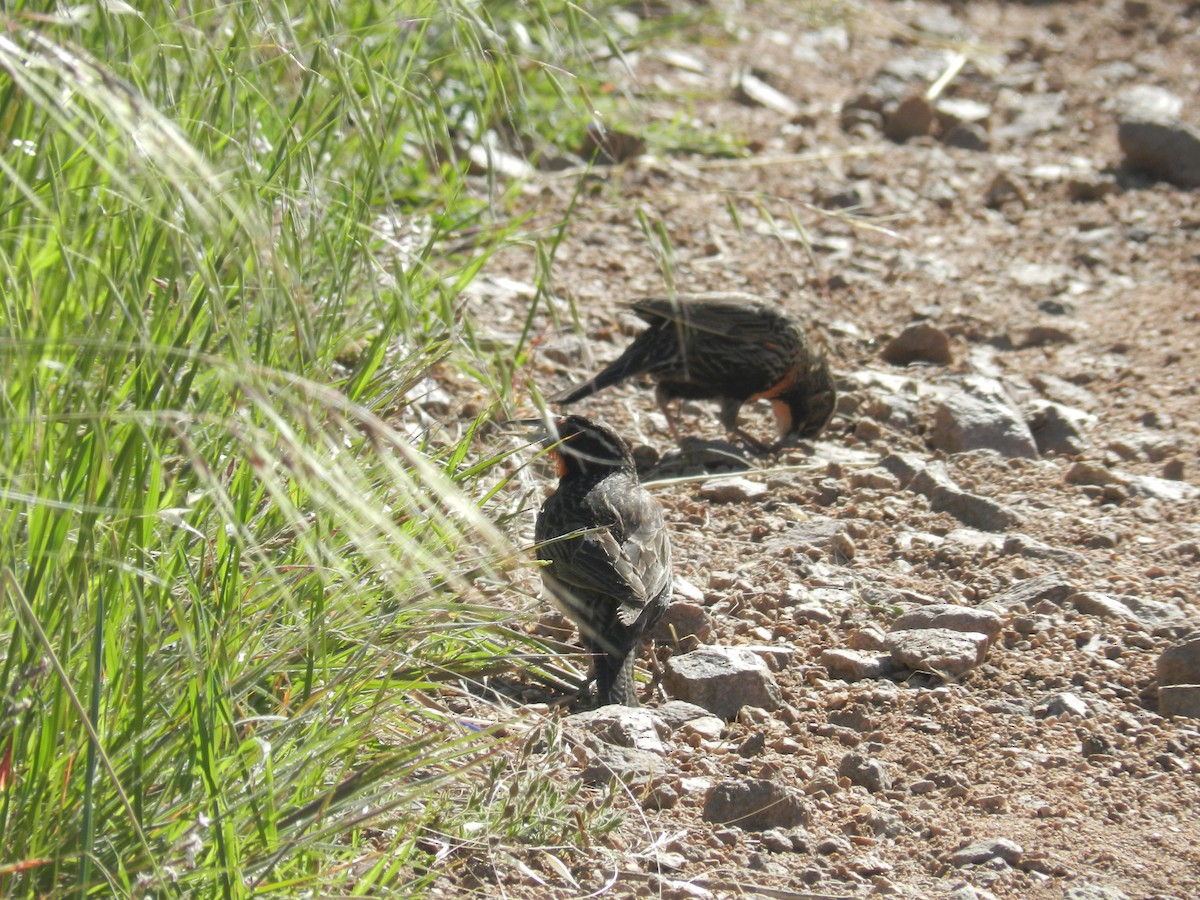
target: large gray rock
1053 587
625 764
1094 892
1062 704
972 510
623 726
984 851
855 665
1029 114
981 416
1180 664
1151 613
1168 489
686 625
756 804
1032 548
722 680
1059 429
1164 148
938 650
820 533
953 617
1179 680
1179 700
919 342
734 489
871 774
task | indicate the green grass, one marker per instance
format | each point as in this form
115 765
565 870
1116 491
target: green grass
235 602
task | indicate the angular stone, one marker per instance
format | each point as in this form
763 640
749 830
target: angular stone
685 624
722 680
981 416
970 509
983 851
1005 189
1031 548
708 728
685 590
853 665
869 637
756 804
1030 114
1062 704
1094 892
1152 613
975 540
1053 587
813 612
1180 664
748 88
733 490
1165 149
777 656
1179 700
1148 101
869 866
624 764
919 342
1090 473
868 773
904 466
968 136
818 532
938 650
677 713
961 110
776 840
955 618
622 726
1167 489
912 117
1059 429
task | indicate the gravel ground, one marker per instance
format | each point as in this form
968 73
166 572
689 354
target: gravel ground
1011 305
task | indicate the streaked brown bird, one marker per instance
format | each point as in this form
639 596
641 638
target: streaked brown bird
607 551
732 347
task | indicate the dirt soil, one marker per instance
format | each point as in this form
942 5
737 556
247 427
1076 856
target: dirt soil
1050 268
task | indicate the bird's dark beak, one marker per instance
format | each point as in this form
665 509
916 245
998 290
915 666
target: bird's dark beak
536 429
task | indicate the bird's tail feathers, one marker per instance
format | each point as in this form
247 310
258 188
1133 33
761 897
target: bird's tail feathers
632 362
614 680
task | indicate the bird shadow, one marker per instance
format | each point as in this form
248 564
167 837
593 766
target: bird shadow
696 456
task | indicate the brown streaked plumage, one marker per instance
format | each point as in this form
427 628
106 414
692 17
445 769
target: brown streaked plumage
728 346
607 551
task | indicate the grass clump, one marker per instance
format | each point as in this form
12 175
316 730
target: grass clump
234 600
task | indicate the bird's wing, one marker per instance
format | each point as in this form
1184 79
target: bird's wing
642 554
628 560
730 316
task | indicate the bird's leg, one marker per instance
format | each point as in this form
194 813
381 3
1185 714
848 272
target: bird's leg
730 407
663 398
754 443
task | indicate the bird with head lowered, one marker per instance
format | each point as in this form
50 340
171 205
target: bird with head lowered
727 346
